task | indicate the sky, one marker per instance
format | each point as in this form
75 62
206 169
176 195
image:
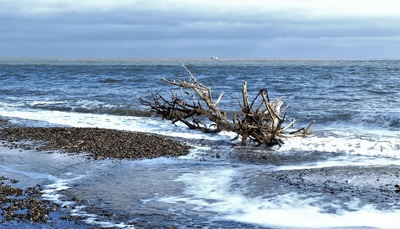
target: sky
200 28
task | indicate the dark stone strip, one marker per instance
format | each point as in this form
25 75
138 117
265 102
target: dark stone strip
99 143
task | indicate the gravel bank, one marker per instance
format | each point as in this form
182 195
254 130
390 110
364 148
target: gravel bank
99 143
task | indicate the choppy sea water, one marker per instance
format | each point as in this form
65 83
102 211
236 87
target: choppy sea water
356 105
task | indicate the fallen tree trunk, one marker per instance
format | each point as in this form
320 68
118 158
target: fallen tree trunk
259 120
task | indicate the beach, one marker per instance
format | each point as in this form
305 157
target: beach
378 185
95 143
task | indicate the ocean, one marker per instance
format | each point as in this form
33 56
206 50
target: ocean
355 103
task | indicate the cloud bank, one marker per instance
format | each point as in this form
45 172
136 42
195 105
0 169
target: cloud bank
178 28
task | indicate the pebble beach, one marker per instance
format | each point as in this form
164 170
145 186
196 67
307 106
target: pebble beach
23 205
26 205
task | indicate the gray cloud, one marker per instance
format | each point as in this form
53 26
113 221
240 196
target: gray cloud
193 30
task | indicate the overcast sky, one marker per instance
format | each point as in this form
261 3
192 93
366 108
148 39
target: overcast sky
200 28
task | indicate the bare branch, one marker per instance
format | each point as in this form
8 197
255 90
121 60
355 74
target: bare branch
261 121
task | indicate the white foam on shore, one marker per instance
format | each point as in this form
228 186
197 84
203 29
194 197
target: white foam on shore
345 160
370 145
212 191
131 123
51 192
377 143
281 212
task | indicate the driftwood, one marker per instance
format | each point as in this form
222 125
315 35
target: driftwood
259 120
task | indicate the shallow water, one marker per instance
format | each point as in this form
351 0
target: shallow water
191 192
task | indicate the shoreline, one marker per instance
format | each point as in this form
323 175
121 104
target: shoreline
22 203
93 143
378 185
98 143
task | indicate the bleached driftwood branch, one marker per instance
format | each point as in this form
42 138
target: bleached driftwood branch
259 120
